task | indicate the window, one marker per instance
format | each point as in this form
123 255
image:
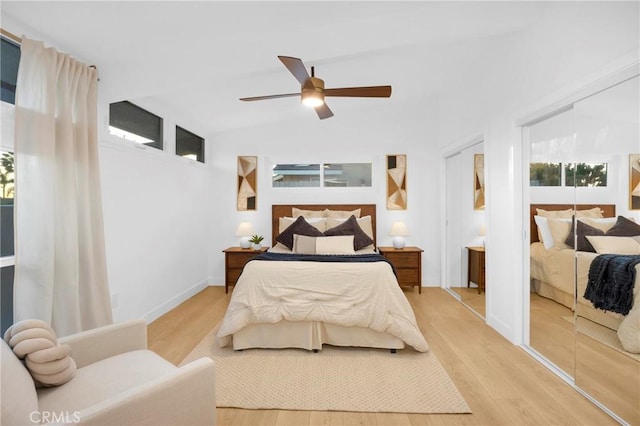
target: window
554 174
585 174
6 203
296 175
189 145
347 174
545 174
322 175
136 124
10 58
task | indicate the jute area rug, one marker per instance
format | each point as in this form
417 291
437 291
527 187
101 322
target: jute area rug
602 334
334 379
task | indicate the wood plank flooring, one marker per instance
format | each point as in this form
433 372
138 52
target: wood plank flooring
501 383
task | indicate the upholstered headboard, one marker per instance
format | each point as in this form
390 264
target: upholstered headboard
608 210
284 210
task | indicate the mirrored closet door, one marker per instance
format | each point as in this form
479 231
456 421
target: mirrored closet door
607 361
581 165
465 232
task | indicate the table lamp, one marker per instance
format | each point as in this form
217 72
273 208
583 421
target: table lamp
244 231
398 232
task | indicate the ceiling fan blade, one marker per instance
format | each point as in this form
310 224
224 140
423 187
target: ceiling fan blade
262 98
296 67
323 111
360 92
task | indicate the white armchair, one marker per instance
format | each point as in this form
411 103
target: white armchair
118 382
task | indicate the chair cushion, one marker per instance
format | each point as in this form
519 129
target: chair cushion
101 380
18 390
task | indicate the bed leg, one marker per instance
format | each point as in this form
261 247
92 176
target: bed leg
315 351
393 351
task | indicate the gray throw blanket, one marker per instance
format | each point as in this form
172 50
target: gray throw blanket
611 281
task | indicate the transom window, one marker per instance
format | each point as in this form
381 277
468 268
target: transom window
189 145
571 174
328 175
133 123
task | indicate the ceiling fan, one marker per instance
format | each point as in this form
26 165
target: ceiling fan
312 91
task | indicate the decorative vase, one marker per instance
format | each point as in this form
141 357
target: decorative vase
256 246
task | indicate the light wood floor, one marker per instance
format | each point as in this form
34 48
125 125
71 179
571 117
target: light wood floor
500 382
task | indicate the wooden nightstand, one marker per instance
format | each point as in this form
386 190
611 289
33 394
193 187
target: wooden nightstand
408 264
234 260
475 268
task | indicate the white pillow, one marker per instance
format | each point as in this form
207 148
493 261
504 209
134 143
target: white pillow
340 244
614 245
303 244
546 234
316 222
345 214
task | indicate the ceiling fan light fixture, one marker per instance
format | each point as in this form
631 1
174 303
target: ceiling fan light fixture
312 99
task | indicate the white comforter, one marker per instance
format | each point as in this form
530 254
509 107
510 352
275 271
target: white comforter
346 294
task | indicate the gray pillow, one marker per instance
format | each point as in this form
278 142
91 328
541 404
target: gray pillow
300 227
351 227
624 228
582 229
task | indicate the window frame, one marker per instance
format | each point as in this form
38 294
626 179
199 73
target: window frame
159 145
202 147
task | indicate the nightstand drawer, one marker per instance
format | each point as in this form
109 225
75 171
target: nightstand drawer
407 263
239 259
404 260
407 276
233 274
235 259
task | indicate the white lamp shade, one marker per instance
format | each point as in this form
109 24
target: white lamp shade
245 229
399 229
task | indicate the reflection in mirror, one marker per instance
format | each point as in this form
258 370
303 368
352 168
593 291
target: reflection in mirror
583 223
465 232
608 341
551 258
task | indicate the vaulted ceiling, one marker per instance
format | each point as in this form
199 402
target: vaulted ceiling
198 58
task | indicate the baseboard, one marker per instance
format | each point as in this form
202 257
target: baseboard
175 301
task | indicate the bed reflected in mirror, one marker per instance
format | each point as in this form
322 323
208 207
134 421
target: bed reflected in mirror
607 130
582 223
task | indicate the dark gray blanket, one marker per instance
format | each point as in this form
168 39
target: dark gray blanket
373 257
611 282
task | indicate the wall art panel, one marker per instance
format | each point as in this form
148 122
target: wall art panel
247 183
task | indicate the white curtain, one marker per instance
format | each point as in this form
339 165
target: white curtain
60 274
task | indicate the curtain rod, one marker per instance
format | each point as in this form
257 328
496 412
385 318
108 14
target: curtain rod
18 40
11 36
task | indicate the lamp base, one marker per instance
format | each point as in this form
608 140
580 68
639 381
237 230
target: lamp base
398 242
244 242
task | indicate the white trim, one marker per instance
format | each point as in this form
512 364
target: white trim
7 261
175 301
627 68
461 144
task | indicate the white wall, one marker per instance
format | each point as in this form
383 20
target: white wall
367 134
157 220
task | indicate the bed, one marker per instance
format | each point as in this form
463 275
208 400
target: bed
555 266
300 303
